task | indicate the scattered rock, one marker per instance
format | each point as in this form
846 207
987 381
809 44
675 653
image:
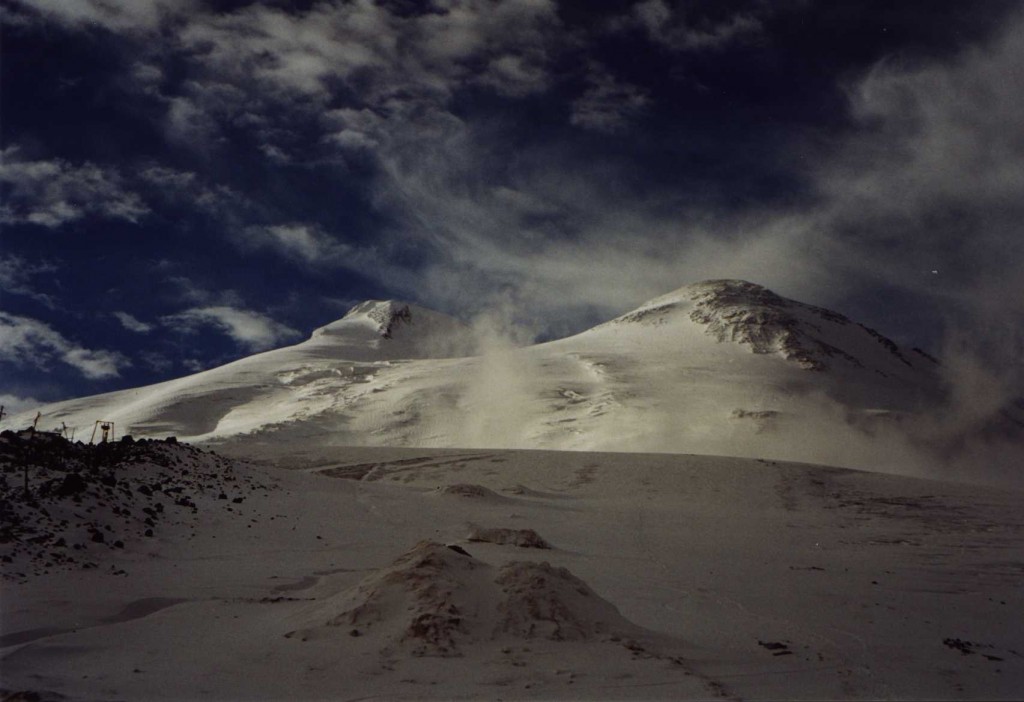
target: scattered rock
111 485
73 484
777 648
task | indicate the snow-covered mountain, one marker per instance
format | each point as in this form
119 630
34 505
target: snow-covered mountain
719 367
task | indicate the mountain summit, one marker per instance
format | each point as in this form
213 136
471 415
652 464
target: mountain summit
814 338
388 329
720 367
384 316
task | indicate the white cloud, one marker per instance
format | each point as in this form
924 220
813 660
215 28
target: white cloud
675 31
132 324
515 75
155 361
250 330
190 292
55 192
17 275
933 180
15 404
189 118
608 105
930 179
115 15
304 242
187 188
29 342
194 365
169 178
244 62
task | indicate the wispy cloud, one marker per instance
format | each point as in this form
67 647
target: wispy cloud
188 291
169 178
933 180
130 323
260 57
672 28
305 242
926 178
14 404
50 193
17 277
29 342
608 105
114 15
250 330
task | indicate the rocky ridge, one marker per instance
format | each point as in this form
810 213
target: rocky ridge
738 311
62 502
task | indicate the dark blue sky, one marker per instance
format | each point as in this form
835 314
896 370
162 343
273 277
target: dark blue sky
186 182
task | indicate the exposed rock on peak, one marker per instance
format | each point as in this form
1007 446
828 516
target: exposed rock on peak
746 313
393 329
387 314
742 312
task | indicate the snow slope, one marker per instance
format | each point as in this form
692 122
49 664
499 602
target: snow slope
282 385
397 574
721 367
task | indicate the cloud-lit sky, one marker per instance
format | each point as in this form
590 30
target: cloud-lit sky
185 182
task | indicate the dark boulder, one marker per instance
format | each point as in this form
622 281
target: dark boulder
73 484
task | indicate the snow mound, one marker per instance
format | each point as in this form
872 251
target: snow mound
522 538
542 601
472 491
440 601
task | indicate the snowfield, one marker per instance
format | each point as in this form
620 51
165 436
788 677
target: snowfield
404 574
739 496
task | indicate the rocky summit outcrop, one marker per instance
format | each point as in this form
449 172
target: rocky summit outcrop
815 338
